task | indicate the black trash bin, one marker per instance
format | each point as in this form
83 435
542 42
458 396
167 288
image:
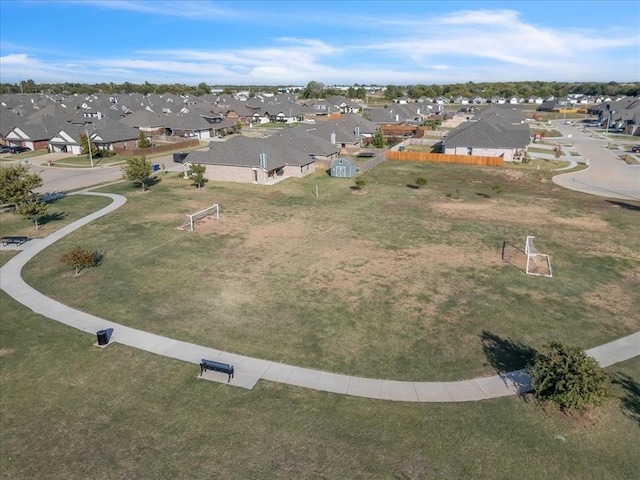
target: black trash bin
103 337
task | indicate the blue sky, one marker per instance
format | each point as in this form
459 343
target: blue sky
334 42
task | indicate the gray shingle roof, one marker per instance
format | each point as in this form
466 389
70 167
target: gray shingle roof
245 152
497 127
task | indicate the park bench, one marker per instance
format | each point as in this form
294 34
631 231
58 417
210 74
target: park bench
216 367
15 240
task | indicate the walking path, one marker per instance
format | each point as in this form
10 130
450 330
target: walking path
249 370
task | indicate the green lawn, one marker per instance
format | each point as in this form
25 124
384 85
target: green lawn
61 213
70 410
390 282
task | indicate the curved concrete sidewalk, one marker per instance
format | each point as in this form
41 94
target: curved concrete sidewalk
249 370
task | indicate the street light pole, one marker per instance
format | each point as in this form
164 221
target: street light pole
609 112
89 147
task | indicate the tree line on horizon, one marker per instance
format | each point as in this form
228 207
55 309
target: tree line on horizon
316 89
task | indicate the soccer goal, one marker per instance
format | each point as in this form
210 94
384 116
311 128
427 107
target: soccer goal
537 263
192 219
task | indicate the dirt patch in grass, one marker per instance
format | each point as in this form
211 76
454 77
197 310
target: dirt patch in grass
6 351
616 301
584 223
513 174
492 211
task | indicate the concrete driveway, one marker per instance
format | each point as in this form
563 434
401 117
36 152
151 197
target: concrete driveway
607 175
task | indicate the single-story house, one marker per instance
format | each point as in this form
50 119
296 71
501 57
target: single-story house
252 160
494 132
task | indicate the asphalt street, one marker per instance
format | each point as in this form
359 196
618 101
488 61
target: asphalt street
607 175
60 179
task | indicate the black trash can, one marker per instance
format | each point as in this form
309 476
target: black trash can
103 337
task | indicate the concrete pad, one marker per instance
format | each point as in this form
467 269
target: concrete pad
432 392
256 366
304 377
242 381
399 391
278 372
364 387
333 382
465 391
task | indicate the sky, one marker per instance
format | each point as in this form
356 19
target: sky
333 42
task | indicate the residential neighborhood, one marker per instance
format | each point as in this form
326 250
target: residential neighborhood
318 130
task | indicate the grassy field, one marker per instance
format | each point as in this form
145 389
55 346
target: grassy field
390 281
387 281
70 410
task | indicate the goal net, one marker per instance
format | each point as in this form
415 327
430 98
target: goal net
537 263
194 218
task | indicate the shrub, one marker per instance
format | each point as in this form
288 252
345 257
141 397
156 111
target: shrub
360 182
454 195
568 377
80 258
421 181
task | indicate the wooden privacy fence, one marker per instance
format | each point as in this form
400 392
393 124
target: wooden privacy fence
170 147
444 158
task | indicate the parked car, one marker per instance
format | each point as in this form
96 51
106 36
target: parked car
19 149
635 149
5 149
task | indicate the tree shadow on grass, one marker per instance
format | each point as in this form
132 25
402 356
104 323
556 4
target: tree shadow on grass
52 217
631 399
625 205
151 181
506 355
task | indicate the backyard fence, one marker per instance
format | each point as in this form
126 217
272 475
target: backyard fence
172 147
444 158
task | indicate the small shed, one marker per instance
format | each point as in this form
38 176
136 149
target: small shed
344 167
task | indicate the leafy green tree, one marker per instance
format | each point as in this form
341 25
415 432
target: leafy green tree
313 90
378 139
568 377
143 141
138 170
32 209
17 184
360 183
238 126
393 91
84 145
203 89
196 173
80 258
